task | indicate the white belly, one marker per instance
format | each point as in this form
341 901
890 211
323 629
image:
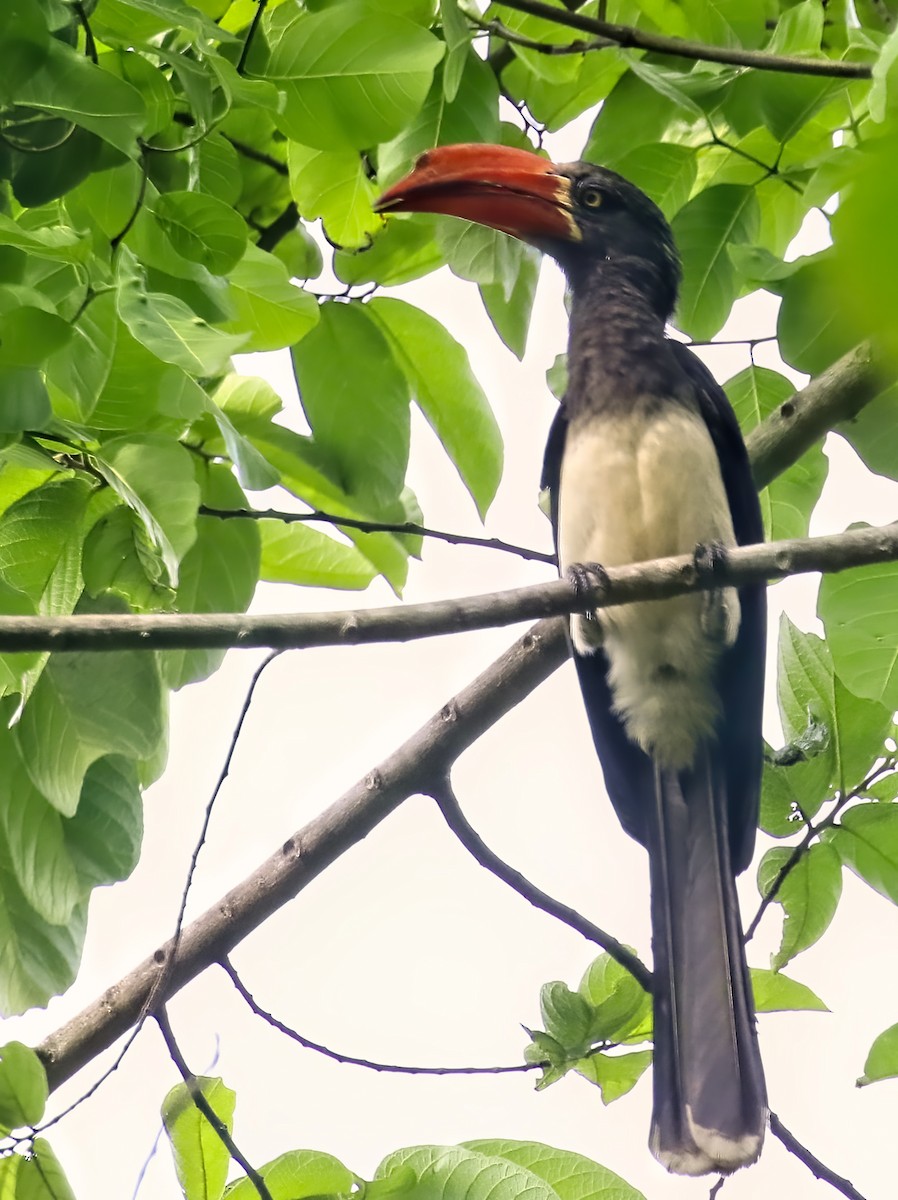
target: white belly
631 491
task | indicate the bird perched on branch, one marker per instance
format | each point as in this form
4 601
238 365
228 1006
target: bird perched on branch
645 459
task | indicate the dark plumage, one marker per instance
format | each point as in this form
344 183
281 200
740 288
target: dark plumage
645 458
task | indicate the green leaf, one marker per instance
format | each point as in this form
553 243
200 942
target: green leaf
874 433
402 251
858 613
785 795
882 1059
615 1074
166 326
23 1086
201 1157
809 896
254 471
786 503
29 335
510 314
296 553
154 476
457 1173
35 837
50 517
70 86
333 185
352 77
457 34
811 330
571 1176
302 476
103 838
556 104
633 115
472 116
808 688
202 229
440 376
85 706
775 992
704 228
38 959
866 839
482 255
270 311
53 242
77 372
127 18
355 397
298 1175
566 1015
24 402
141 392
665 172
218 574
621 1009
39 1176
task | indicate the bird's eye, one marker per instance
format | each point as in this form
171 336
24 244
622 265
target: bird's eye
590 196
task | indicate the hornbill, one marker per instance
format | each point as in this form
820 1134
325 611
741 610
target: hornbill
645 459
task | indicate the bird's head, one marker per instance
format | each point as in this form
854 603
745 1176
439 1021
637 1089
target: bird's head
579 213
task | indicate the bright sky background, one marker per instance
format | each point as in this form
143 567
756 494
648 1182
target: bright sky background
405 950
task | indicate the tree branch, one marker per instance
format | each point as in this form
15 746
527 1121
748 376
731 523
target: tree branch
441 791
837 395
407 771
654 580
814 1165
641 39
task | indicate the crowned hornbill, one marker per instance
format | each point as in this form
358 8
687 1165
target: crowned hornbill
645 459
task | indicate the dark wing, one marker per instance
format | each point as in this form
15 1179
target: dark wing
741 669
628 771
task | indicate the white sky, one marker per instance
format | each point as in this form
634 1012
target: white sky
405 950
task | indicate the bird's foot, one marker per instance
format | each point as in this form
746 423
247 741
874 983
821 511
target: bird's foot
586 579
720 606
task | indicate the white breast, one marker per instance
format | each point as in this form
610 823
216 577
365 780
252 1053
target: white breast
634 489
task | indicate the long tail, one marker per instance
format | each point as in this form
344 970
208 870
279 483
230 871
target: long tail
710 1102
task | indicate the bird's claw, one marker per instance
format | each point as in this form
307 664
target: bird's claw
588 578
717 620
710 557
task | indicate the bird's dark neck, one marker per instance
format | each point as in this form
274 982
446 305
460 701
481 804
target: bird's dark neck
617 351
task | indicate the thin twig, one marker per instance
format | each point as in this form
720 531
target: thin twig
811 1161
497 29
440 789
207 817
261 5
642 39
196 1094
352 1060
259 156
812 832
408 528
